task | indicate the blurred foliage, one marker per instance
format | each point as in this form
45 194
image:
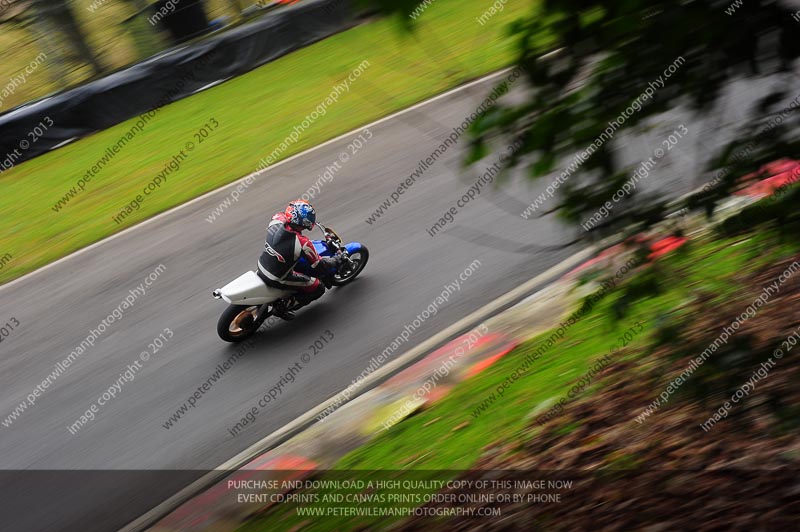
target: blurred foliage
597 429
642 287
779 210
588 60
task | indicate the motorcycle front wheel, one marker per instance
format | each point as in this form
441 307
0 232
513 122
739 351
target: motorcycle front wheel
359 259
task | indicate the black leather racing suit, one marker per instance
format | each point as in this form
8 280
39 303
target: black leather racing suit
285 246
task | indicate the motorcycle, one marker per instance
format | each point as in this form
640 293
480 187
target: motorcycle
252 302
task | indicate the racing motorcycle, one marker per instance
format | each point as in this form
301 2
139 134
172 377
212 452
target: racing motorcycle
252 301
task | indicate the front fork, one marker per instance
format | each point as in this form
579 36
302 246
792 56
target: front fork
340 248
345 254
347 260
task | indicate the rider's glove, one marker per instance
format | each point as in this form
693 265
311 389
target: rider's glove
323 270
330 262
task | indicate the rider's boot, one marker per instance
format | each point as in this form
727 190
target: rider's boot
301 299
281 310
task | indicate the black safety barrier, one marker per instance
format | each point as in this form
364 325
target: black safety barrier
167 77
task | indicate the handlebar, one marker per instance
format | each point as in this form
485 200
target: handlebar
330 234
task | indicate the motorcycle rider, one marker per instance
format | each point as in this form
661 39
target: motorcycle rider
285 245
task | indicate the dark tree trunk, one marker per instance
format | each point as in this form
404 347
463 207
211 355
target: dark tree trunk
60 13
145 37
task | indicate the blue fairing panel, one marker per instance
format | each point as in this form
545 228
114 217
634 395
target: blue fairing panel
321 248
352 247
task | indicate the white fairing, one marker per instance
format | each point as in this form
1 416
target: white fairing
249 289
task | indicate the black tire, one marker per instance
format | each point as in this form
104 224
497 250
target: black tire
229 332
364 253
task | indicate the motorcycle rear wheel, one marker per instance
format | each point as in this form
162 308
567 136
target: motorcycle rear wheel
238 323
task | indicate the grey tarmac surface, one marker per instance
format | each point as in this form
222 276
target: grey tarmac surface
408 268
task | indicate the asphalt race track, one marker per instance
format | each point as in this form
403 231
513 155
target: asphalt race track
57 307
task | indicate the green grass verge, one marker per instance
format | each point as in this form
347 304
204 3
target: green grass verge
447 436
256 112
